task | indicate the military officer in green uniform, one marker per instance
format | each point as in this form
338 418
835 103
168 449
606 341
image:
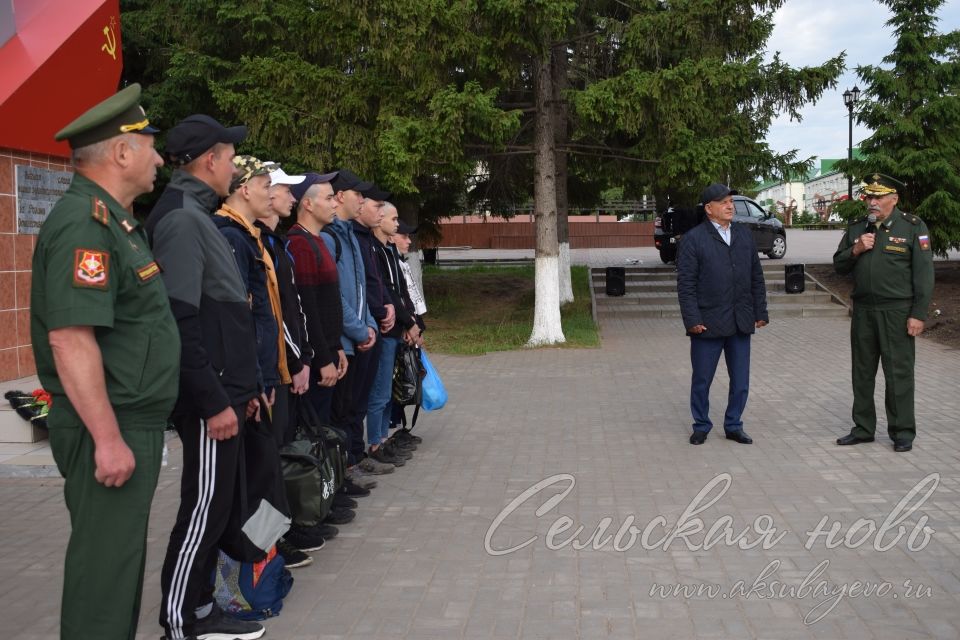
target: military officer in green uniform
889 254
107 349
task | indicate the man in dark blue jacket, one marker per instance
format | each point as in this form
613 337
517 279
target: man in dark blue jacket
723 300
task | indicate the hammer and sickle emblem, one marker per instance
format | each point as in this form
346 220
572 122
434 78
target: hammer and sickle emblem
111 45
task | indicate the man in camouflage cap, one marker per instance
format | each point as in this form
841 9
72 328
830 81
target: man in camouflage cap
106 346
889 254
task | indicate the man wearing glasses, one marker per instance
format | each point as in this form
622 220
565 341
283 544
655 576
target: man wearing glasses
889 254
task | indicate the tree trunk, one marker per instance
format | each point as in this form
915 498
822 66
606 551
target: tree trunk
558 69
546 315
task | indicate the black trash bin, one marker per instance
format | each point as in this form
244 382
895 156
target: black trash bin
430 256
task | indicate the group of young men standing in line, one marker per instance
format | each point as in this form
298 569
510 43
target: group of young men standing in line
262 323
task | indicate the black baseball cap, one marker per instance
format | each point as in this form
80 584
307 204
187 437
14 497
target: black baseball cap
716 191
405 229
195 134
347 180
310 179
375 193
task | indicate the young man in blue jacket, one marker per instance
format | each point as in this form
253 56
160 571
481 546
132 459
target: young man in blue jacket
360 329
723 300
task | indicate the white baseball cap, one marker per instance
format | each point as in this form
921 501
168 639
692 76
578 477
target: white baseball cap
279 176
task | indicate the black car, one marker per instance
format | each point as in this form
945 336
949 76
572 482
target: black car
768 232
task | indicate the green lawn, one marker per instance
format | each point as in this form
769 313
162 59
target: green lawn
480 309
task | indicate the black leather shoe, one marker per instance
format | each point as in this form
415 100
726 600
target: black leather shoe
852 439
901 446
698 437
740 437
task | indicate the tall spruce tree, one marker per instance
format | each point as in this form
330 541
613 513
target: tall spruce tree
377 87
912 106
686 85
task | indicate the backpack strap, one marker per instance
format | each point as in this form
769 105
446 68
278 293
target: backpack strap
413 421
295 231
336 241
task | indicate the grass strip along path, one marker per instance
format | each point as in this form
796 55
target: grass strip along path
476 310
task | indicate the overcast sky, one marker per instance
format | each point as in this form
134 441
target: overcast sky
809 32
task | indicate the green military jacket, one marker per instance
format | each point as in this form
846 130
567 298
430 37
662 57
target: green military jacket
898 272
92 267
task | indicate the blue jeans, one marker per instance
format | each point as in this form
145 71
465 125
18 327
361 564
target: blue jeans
704 357
381 394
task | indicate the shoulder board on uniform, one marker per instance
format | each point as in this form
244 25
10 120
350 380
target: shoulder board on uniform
100 211
857 221
910 217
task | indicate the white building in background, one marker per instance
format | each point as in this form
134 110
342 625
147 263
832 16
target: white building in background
824 186
824 189
783 196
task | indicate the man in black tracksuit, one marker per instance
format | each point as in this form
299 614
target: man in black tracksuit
218 370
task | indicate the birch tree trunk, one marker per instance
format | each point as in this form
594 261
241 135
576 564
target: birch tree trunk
558 69
546 315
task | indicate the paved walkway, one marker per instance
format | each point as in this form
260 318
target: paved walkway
609 428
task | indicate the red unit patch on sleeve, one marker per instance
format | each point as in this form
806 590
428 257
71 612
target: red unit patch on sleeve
91 268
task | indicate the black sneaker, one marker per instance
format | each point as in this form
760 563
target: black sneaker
340 516
404 434
328 531
304 538
341 501
396 452
381 455
404 445
292 557
351 488
218 626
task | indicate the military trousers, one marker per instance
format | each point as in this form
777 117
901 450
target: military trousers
103 572
881 337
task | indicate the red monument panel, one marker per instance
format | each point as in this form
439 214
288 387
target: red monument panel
64 58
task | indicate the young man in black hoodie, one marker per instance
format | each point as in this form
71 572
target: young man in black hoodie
406 329
381 308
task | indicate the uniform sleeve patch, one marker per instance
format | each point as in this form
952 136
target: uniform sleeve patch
148 272
924 242
91 269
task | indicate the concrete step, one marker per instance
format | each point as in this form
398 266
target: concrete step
775 311
671 285
668 298
13 428
767 266
652 293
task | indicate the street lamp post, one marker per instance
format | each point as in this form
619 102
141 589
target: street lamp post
850 99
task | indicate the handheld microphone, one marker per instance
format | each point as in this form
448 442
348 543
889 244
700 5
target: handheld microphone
872 223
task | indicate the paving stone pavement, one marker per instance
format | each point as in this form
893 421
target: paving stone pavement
604 432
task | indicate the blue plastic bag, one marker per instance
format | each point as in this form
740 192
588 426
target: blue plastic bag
434 393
